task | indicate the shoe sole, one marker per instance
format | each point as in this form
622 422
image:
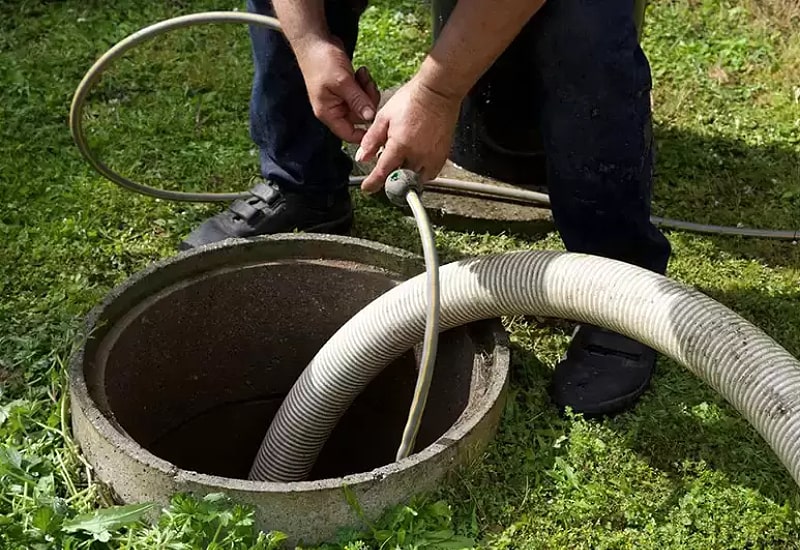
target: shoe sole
340 226
615 406
611 407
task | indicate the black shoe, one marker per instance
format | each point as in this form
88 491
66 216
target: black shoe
603 372
270 210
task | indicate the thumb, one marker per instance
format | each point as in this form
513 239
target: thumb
357 99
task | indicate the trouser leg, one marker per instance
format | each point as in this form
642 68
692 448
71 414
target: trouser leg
297 151
593 87
597 131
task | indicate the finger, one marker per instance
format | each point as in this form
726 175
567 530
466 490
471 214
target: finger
345 130
357 99
362 77
355 118
368 84
391 159
426 174
335 118
431 171
373 139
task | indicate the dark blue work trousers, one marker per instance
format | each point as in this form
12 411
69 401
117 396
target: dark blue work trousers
595 111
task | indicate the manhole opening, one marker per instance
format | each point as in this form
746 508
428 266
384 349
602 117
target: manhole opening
196 373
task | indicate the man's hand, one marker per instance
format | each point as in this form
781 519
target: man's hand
416 125
415 129
341 99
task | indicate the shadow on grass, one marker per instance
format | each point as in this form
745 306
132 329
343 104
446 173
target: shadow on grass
722 181
682 419
683 425
379 220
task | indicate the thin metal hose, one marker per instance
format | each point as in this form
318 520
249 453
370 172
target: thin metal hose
403 187
747 367
492 192
432 316
92 76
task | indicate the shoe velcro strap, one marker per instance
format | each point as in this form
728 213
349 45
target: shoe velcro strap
605 342
244 210
265 192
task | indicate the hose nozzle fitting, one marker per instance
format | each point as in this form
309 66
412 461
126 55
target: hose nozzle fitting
399 183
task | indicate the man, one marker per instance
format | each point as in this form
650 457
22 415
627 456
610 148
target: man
595 84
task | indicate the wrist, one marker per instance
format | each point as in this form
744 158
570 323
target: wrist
435 78
310 40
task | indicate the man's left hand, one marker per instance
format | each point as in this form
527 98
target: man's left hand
415 129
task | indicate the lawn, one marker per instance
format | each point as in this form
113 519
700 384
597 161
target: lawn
682 470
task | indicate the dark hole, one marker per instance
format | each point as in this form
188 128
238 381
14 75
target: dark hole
196 374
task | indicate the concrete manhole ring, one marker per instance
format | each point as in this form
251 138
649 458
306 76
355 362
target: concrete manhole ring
186 363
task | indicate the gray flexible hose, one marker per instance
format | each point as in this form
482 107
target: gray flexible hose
403 187
492 192
92 76
748 368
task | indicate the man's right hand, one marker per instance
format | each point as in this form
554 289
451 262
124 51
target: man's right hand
340 97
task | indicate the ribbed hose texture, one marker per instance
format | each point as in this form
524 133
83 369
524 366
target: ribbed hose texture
748 368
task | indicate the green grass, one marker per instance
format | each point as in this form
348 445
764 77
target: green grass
682 470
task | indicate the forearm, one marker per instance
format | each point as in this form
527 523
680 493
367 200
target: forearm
475 35
303 21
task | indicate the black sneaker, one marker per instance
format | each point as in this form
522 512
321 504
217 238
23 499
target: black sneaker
270 210
603 372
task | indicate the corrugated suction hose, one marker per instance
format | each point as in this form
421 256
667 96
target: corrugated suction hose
748 368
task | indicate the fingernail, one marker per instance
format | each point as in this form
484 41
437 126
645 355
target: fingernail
359 155
367 113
